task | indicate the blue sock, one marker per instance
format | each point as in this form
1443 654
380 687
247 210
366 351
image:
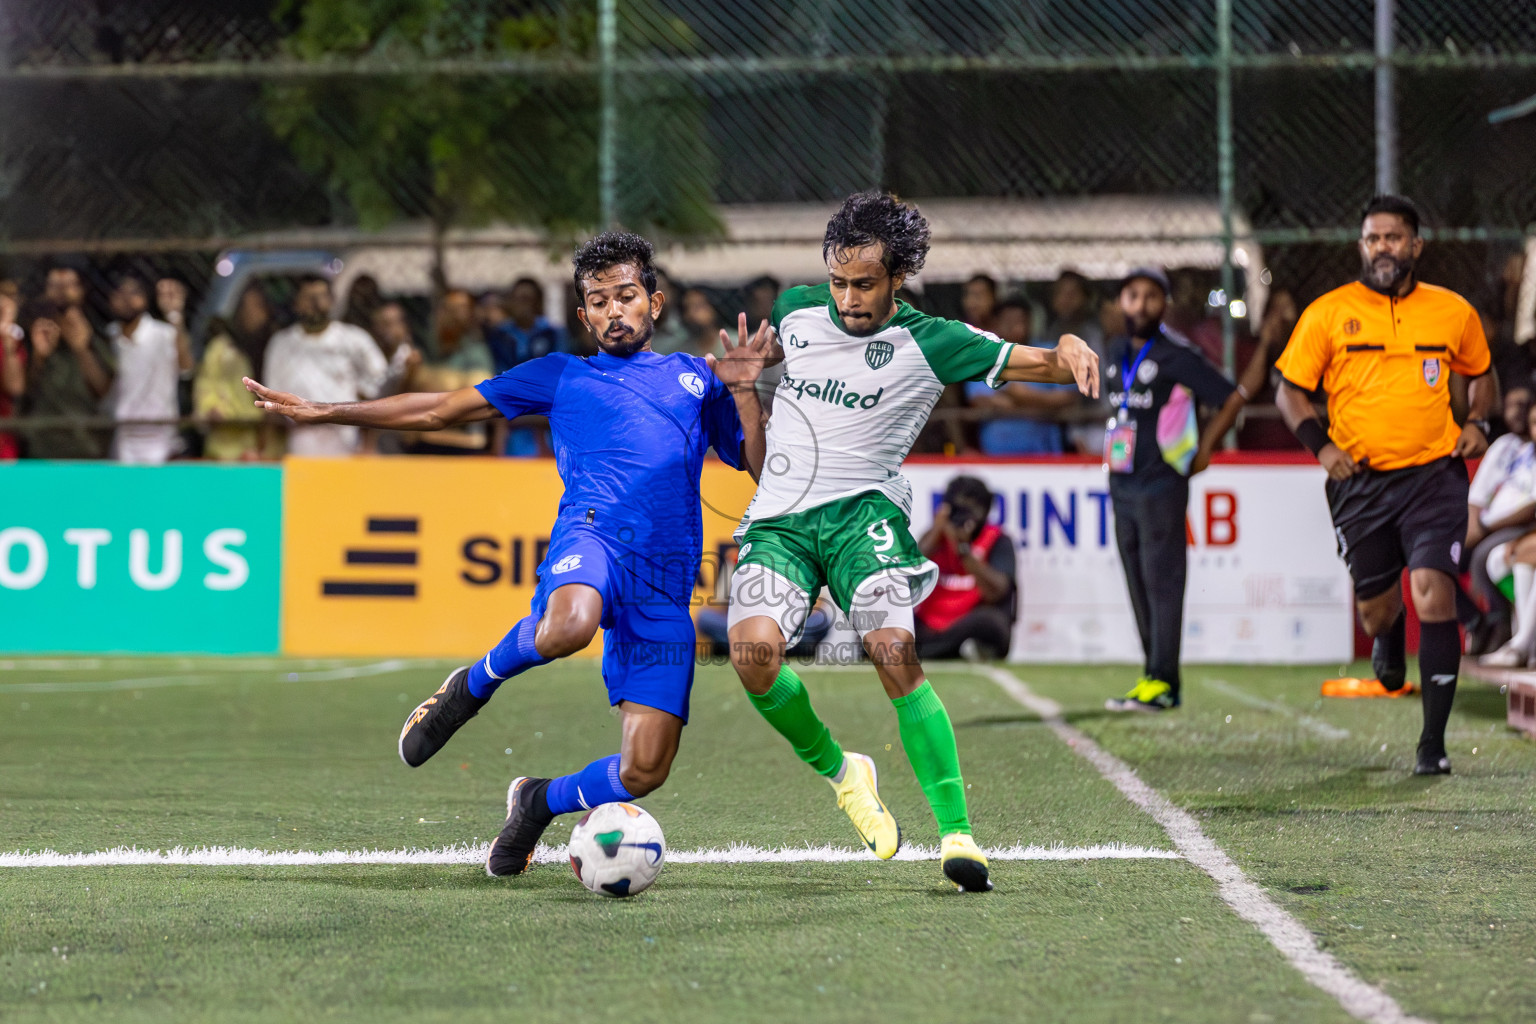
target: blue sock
597 783
514 654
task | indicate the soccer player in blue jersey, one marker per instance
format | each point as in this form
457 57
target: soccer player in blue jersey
630 429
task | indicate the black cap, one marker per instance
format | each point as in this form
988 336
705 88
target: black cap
1153 274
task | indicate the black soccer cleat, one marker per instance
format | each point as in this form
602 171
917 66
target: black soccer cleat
528 816
1431 763
1389 655
437 718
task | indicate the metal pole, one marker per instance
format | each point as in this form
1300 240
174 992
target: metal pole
1224 174
607 146
1386 100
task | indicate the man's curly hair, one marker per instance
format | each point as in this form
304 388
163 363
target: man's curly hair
876 217
612 249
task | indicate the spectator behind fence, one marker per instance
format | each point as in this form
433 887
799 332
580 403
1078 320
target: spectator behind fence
526 334
151 356
69 372
1189 313
490 313
458 339
462 361
670 334
13 370
761 294
363 299
1073 312
1040 434
970 613
325 361
219 397
978 303
701 320
252 327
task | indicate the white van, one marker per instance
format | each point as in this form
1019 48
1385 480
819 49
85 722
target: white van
1017 240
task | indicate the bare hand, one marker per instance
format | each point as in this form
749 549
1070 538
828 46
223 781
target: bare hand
1202 460
7 309
742 362
171 297
1338 464
1472 442
1073 353
76 329
292 406
45 337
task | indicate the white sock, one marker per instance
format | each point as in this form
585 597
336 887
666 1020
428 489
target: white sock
1525 606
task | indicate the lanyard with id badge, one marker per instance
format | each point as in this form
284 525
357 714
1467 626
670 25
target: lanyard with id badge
1120 432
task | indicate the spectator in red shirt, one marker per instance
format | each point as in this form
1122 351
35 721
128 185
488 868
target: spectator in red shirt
970 613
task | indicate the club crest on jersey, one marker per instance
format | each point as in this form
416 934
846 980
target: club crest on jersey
693 382
565 564
878 353
1431 372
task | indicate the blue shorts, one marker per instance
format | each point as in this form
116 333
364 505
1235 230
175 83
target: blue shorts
649 639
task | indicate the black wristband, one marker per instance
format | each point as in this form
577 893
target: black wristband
1310 432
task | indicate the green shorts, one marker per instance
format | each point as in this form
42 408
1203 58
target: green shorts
851 546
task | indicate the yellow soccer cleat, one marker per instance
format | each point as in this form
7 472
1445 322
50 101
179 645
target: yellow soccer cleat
964 863
859 797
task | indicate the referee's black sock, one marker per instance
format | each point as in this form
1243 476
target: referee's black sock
1389 653
1439 661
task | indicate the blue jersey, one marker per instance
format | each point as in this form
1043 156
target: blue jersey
630 436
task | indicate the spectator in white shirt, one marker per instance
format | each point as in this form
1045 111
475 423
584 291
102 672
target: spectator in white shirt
325 361
1497 514
151 356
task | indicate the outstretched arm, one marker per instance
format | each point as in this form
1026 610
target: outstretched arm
410 411
1070 362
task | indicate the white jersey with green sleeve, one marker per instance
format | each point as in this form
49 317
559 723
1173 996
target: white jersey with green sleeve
849 407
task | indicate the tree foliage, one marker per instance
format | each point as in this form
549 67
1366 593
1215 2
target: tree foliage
466 149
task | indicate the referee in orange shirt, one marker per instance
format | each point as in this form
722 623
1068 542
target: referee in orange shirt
1384 348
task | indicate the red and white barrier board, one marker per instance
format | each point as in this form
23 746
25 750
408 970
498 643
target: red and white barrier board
1266 584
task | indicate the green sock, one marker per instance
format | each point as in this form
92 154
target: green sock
930 741
787 707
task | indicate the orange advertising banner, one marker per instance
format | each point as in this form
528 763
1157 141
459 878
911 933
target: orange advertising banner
435 556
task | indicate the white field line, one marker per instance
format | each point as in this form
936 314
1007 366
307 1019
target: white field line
1359 999
376 668
1315 725
228 856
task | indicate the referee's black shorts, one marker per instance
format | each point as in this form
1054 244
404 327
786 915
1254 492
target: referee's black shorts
1389 520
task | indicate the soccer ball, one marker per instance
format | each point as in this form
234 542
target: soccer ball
617 850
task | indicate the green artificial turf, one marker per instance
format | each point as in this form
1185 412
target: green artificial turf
96 754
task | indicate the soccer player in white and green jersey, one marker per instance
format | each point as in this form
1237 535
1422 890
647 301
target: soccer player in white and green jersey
862 371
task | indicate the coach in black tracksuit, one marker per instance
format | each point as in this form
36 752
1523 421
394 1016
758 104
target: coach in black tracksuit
1154 380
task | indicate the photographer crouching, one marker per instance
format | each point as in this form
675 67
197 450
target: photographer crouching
970 613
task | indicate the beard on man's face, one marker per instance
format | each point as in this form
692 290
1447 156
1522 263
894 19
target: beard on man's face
1385 272
622 340
1143 326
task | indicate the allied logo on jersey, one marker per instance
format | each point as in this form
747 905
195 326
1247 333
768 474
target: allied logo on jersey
1351 326
833 392
1146 373
565 564
1431 372
693 382
878 353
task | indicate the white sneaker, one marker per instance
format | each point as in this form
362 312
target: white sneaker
1508 656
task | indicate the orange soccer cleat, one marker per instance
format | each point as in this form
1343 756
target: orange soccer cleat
1351 687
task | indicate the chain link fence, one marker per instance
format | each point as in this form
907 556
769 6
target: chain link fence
167 131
